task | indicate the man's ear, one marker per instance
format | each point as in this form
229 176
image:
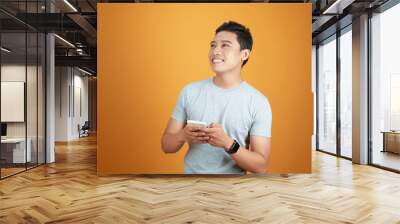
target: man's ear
245 54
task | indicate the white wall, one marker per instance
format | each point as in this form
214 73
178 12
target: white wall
314 91
70 84
16 73
12 73
62 78
80 84
92 109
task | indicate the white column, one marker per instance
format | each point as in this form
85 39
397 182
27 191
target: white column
50 100
50 92
360 90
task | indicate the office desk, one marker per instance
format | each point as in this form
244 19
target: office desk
13 150
391 141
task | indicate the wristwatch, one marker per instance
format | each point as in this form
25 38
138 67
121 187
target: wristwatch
234 147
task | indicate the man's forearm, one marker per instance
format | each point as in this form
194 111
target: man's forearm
171 143
250 161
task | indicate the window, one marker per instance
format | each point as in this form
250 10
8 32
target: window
346 93
385 88
327 95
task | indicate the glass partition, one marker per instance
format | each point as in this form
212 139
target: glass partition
327 95
13 99
385 89
22 88
346 93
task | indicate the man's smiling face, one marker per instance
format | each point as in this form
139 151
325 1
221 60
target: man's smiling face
225 54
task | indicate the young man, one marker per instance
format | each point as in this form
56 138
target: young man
238 115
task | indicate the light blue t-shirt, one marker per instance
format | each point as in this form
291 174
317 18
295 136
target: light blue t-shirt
242 111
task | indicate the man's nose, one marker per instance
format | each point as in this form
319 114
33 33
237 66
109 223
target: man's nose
216 51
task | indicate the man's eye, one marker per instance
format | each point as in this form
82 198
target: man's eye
225 45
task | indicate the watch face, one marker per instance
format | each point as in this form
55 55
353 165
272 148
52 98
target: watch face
235 147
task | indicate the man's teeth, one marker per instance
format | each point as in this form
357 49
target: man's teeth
217 60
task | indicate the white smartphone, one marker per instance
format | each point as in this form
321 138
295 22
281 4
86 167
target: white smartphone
194 123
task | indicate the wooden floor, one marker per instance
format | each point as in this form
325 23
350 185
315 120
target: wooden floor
5 172
70 192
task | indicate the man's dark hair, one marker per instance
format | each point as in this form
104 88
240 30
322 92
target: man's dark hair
242 33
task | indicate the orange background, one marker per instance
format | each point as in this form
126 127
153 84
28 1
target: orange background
149 51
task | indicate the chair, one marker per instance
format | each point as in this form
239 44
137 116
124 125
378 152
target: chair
84 130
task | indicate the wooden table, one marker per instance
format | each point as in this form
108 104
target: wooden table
391 141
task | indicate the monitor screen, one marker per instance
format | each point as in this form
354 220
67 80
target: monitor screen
3 129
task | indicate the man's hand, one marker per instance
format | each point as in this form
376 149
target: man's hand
218 137
194 135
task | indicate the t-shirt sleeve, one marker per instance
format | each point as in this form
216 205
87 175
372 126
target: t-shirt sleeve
179 112
262 118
